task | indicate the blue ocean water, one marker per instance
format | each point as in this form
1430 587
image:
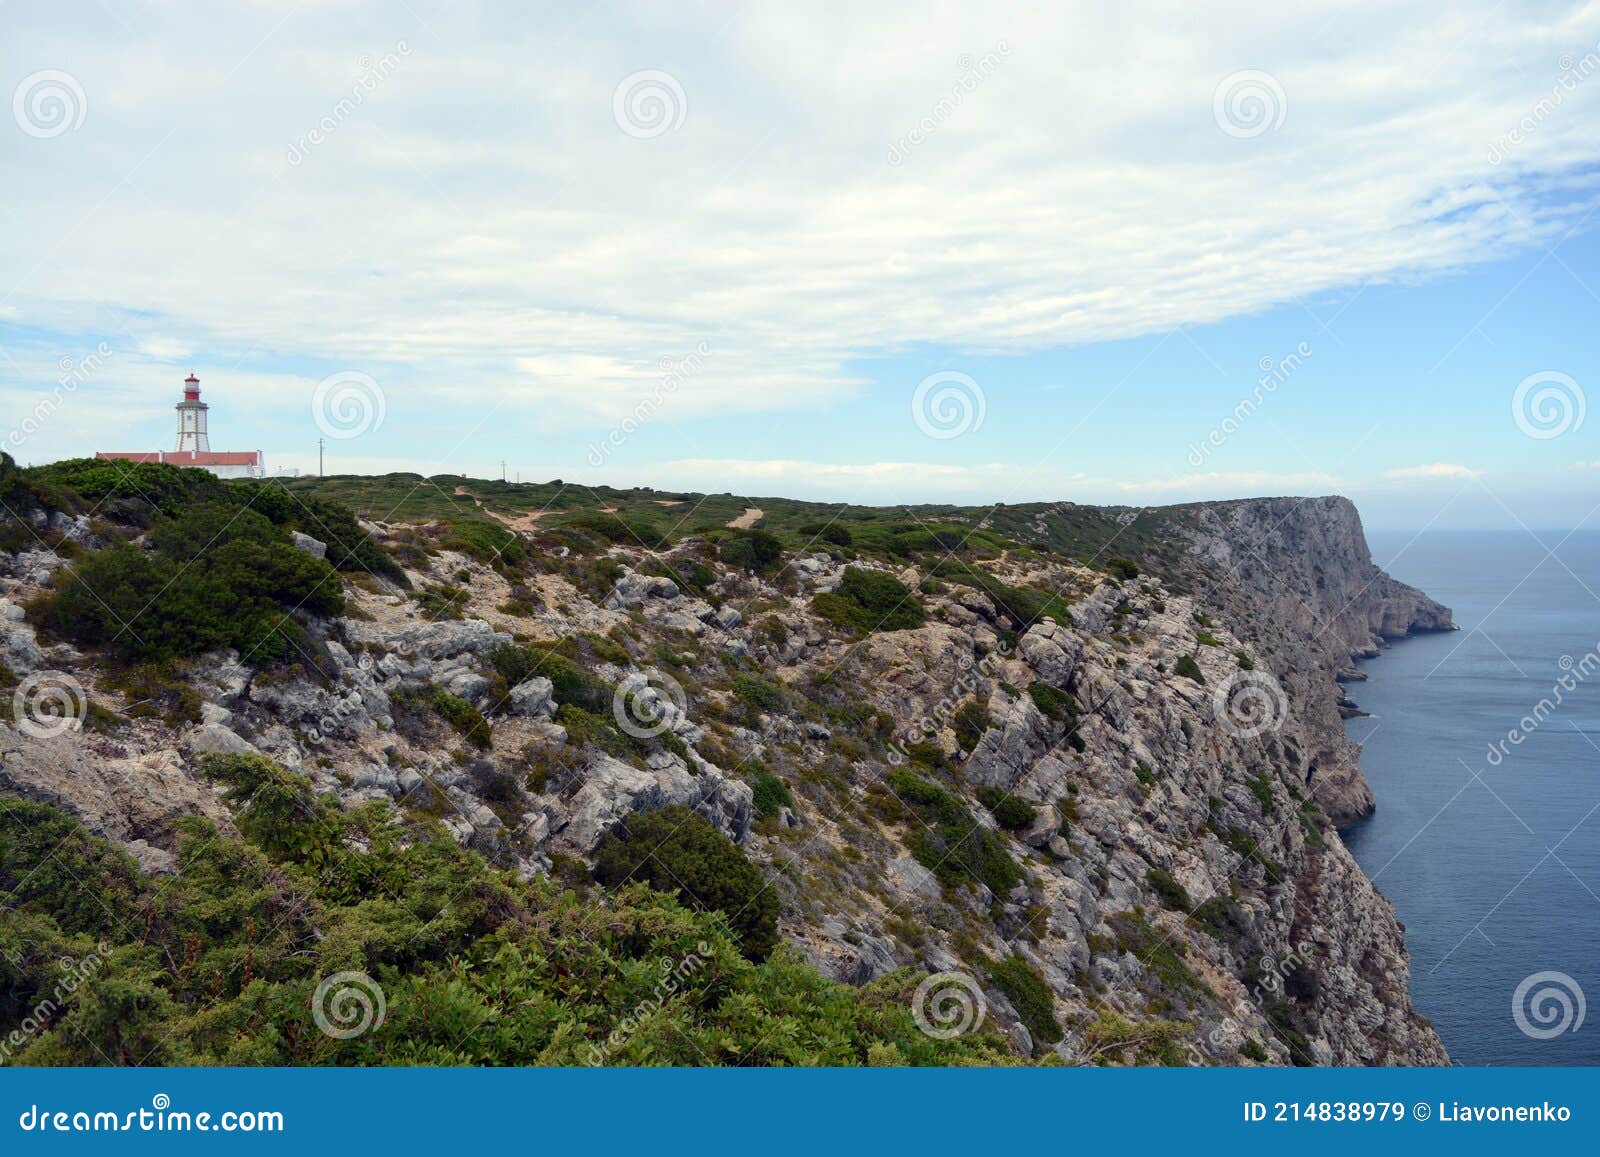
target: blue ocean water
1491 854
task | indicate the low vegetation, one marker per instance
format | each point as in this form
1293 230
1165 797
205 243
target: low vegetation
456 963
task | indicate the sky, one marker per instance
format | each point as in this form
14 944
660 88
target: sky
1130 254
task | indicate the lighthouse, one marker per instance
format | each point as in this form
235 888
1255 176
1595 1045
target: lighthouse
194 443
192 418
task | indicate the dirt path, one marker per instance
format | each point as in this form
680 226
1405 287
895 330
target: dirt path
527 522
751 516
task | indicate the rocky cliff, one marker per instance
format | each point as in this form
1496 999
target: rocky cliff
1295 577
1114 824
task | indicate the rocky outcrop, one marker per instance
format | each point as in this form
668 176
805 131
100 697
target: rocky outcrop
1295 578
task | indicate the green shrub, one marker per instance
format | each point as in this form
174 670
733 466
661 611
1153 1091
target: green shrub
835 533
628 531
1029 995
870 600
217 964
948 841
678 851
1168 890
1052 702
969 723
215 576
488 542
1158 952
1122 568
762 694
571 685
771 793
1009 812
441 602
758 551
1189 669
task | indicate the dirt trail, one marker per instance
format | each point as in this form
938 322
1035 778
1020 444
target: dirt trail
751 516
527 522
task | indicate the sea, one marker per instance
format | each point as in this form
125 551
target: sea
1483 751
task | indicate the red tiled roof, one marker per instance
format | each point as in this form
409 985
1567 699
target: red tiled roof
212 458
190 457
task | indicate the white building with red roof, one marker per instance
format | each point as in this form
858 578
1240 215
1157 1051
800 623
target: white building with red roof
194 443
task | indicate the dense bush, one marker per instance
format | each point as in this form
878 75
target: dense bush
945 839
215 576
135 492
870 600
770 792
1168 890
140 493
1189 669
752 550
971 720
220 964
762 694
571 684
488 542
1029 995
624 531
676 850
834 533
1009 812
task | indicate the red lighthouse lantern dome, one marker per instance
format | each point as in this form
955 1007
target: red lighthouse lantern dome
191 388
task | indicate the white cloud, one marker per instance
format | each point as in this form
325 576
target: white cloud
481 214
1433 470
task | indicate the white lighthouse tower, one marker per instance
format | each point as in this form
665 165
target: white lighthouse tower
192 434
194 444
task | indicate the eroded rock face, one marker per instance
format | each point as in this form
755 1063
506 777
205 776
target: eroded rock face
1298 581
612 790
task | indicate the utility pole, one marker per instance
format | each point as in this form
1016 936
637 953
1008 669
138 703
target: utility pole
319 457
502 469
